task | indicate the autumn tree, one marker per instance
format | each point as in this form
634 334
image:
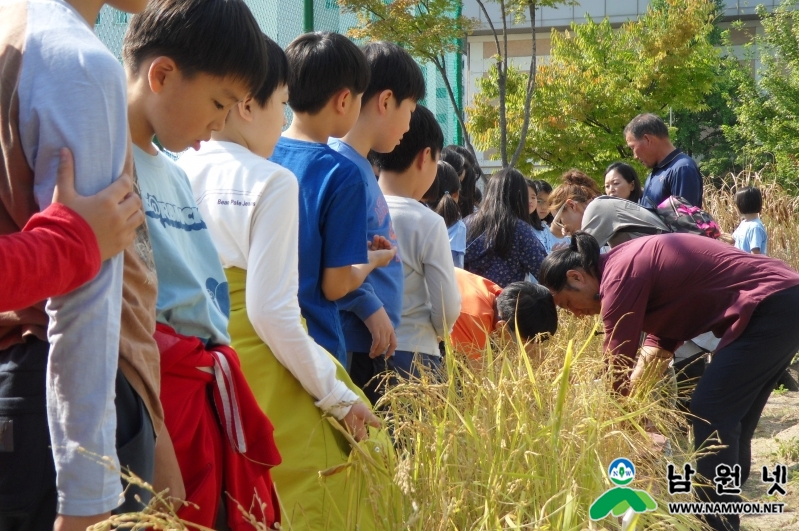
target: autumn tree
429 30
599 77
767 109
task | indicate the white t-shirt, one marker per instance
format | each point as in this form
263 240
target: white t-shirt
251 207
431 301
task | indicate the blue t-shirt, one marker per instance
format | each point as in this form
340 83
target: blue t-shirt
193 296
751 235
383 286
457 242
332 230
525 256
677 174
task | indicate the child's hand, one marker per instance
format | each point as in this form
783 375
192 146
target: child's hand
358 418
113 213
384 339
379 242
382 257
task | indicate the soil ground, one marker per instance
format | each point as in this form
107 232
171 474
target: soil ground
776 441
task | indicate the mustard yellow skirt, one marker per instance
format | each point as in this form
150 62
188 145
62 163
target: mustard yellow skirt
316 492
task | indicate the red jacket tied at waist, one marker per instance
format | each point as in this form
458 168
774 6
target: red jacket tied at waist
237 454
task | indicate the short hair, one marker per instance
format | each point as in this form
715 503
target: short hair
392 68
630 175
321 64
278 68
647 124
749 200
424 132
528 308
216 37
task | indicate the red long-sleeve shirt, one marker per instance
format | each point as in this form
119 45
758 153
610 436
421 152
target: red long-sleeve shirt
55 253
677 286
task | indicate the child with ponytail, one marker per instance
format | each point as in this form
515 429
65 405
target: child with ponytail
443 199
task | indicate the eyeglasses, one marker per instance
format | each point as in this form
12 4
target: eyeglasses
556 218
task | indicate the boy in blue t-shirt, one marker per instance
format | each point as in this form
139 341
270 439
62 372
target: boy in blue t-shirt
370 314
328 75
750 236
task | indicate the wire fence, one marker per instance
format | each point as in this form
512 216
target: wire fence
283 20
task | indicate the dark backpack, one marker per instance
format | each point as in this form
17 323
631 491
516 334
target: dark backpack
681 216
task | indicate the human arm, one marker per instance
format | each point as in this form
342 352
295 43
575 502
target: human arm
624 303
757 240
79 101
651 364
439 275
271 296
339 281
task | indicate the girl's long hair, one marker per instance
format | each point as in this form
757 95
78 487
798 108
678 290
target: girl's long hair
504 204
448 184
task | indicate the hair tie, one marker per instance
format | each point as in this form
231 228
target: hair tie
446 192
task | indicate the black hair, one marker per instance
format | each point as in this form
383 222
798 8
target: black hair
582 253
630 175
646 124
278 67
322 64
454 159
469 190
216 37
528 308
543 187
478 198
423 132
448 184
504 205
749 200
392 68
535 221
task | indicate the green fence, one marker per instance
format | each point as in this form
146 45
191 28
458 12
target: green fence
283 20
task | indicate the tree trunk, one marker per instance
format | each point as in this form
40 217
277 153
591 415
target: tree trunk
530 89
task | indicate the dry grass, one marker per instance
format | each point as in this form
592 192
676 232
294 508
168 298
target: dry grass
524 441
780 212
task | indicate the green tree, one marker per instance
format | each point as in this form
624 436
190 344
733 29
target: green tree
767 109
700 133
428 29
597 79
517 11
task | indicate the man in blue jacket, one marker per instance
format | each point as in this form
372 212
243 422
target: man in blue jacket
673 172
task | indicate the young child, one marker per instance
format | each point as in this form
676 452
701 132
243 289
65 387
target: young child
750 236
95 385
328 75
486 308
181 86
370 314
543 189
430 299
251 208
540 228
444 201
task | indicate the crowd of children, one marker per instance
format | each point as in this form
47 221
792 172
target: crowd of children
207 316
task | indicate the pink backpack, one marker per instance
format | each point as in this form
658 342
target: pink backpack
681 216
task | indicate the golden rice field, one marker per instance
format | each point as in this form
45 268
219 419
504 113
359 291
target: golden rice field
523 440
